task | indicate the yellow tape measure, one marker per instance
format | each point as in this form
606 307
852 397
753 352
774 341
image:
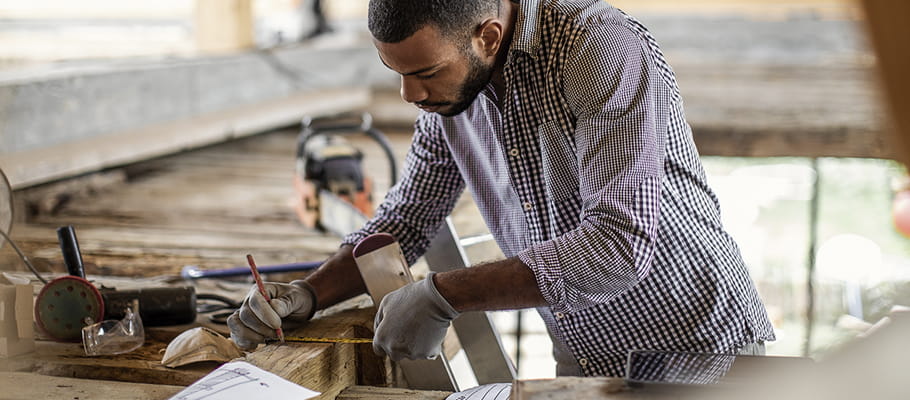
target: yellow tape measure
326 340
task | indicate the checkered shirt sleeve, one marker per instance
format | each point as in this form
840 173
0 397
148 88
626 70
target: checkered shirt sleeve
416 206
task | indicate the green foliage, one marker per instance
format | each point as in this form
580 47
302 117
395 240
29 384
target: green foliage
855 198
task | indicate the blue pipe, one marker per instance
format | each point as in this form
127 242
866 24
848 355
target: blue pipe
194 272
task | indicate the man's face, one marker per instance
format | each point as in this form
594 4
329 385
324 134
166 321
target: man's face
436 75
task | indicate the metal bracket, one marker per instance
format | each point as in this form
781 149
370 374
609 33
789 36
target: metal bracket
476 332
384 269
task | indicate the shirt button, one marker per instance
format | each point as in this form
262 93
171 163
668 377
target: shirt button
528 206
559 315
513 152
583 362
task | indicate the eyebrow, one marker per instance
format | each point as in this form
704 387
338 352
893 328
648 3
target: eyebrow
419 71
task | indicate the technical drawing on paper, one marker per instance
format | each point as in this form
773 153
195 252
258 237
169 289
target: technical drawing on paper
239 380
211 385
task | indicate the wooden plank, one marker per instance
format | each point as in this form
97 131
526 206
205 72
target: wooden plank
767 8
30 386
151 251
889 32
589 388
206 208
559 388
140 366
325 367
610 388
783 110
373 392
31 167
737 141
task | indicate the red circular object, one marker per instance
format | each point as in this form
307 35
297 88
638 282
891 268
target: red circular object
62 306
900 212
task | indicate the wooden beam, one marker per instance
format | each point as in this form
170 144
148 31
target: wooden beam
889 33
223 25
574 387
324 367
769 8
783 110
31 167
210 207
327 368
140 366
609 388
24 385
374 392
756 141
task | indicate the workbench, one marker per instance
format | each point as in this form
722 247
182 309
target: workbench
140 224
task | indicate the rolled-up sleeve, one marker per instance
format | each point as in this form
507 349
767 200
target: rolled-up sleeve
619 143
430 185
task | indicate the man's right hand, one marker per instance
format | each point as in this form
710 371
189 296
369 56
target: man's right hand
292 305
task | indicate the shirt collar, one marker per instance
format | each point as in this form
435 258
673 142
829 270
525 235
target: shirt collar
526 37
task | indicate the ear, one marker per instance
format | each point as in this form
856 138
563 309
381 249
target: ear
489 36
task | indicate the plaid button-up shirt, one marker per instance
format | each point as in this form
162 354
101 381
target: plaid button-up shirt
588 173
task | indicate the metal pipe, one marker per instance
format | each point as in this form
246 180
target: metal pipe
810 262
194 272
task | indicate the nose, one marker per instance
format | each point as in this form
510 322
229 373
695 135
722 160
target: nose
412 90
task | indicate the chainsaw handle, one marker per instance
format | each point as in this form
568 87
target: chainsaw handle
314 127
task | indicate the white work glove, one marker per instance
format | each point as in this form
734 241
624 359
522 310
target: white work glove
411 322
292 305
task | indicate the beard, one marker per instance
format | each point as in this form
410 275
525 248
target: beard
478 76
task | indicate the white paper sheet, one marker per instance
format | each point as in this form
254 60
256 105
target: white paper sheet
243 381
490 391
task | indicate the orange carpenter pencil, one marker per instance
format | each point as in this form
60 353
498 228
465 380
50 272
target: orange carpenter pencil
258 279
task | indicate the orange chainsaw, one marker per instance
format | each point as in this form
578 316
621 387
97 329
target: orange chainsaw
333 193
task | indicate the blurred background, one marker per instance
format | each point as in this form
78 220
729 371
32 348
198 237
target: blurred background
781 95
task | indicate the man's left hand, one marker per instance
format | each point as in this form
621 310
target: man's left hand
411 322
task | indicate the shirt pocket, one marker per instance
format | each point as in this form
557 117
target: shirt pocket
560 166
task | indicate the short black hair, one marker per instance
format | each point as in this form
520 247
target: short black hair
391 21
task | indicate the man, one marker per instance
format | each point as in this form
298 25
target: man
565 123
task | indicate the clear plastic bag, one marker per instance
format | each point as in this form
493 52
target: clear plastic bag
111 336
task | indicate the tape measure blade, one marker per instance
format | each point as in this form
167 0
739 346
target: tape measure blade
328 340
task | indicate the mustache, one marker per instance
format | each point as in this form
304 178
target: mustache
432 104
